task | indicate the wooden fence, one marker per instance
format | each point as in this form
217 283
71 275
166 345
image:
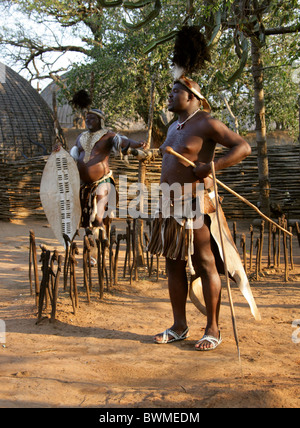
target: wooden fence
20 183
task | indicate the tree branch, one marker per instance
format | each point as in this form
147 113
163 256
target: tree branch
282 30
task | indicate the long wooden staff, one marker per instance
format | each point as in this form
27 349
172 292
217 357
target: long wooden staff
171 151
233 318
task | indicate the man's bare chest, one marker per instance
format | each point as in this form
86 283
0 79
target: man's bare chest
92 144
183 141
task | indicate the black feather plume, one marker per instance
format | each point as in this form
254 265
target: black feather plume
81 99
190 50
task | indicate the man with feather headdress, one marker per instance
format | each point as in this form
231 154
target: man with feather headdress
91 152
195 136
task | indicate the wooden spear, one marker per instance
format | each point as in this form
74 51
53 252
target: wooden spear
233 318
172 152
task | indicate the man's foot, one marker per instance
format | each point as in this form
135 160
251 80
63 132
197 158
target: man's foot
169 336
208 342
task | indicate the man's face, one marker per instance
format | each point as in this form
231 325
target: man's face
92 122
178 98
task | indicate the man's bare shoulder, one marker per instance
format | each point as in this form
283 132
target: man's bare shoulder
209 124
108 135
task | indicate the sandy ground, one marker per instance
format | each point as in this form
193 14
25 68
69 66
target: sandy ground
103 357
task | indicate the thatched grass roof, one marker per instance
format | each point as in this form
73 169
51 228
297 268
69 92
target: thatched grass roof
26 121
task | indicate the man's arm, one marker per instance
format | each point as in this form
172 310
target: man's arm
220 134
76 149
120 141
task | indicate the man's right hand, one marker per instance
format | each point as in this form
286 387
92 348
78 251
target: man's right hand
202 170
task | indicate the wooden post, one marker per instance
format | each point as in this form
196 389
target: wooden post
257 245
66 262
112 241
85 267
243 245
251 245
119 238
234 231
35 266
274 233
45 257
262 229
141 179
269 244
286 259
298 231
128 247
30 263
104 247
55 288
99 264
140 224
73 284
278 244
291 249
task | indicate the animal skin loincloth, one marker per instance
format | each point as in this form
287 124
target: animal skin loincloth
88 199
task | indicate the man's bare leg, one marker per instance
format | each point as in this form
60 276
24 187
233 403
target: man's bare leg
178 290
205 266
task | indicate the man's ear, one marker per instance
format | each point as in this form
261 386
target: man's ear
191 96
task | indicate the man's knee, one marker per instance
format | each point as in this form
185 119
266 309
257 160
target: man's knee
204 265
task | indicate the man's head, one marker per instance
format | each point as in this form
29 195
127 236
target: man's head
94 120
186 96
181 99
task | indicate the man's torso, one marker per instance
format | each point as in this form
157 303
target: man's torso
193 142
96 151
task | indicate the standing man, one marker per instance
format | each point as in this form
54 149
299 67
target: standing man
91 151
195 136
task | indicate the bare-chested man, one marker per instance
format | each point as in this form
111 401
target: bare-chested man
196 139
92 151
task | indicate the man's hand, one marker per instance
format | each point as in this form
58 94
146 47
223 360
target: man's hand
143 144
202 170
57 147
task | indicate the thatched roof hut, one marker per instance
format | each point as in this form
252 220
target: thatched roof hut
26 122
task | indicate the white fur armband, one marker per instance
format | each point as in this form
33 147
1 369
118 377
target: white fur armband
117 143
74 152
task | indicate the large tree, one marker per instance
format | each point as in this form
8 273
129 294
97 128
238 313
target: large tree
133 40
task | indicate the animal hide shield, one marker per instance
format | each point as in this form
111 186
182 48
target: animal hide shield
234 266
59 193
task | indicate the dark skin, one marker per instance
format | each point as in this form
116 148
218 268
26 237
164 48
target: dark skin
196 141
97 166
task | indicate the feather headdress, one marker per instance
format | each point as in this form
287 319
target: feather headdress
83 101
190 55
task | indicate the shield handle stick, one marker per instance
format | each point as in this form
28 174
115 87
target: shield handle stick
171 151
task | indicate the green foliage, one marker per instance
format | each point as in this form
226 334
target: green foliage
129 42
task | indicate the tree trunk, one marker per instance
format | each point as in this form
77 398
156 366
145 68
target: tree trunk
261 140
299 119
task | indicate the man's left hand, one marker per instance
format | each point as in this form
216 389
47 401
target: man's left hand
57 147
143 145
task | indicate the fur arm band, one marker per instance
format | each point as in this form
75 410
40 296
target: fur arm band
74 152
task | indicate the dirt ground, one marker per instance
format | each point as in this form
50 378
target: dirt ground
104 357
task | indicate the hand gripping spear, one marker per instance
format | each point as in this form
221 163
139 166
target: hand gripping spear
171 151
